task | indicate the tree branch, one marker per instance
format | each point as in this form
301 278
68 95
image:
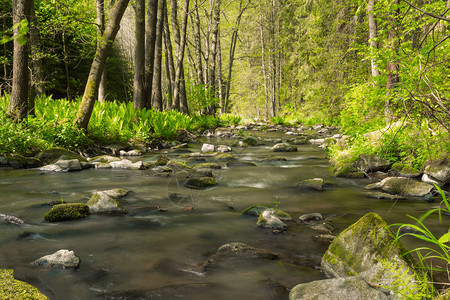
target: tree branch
425 12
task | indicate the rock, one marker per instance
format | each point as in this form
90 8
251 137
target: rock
325 238
428 179
207 148
208 165
255 210
439 169
104 159
130 153
242 250
368 249
52 155
322 227
312 184
311 218
11 288
372 163
251 141
317 141
268 219
200 183
63 166
105 202
402 186
203 172
232 164
223 149
177 166
344 288
283 147
102 166
60 259
223 157
11 219
274 158
17 161
398 169
67 212
127 164
380 195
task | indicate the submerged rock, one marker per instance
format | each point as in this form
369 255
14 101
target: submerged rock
11 288
60 259
344 288
284 147
200 182
380 195
67 212
224 157
105 202
11 219
232 164
368 249
208 166
268 219
312 184
311 218
251 141
402 186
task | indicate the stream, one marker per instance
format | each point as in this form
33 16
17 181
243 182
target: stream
156 254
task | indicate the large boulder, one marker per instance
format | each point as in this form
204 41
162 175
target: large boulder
402 186
67 212
345 288
372 163
52 155
17 161
68 165
105 202
60 259
369 249
284 147
11 288
439 169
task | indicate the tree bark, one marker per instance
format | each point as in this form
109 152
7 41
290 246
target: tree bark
392 65
263 64
87 103
213 55
100 30
157 72
150 50
37 72
18 103
372 38
195 18
139 57
169 57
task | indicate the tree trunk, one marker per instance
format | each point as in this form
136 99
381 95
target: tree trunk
18 103
176 36
198 44
219 73
157 72
392 65
263 65
373 38
36 55
213 56
100 30
169 58
112 27
150 50
139 57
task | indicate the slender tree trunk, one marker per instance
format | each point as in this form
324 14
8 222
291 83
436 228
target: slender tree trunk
213 55
372 38
219 73
157 73
263 64
150 49
169 58
112 27
176 36
392 65
100 30
18 103
35 44
139 57
198 44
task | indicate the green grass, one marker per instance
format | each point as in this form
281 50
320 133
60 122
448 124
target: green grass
110 122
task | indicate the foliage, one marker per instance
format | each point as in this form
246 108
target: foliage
230 119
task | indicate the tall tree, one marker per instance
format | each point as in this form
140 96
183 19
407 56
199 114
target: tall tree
139 56
213 55
392 64
18 104
38 81
373 43
90 92
150 41
157 98
170 68
100 30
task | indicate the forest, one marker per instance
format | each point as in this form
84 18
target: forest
368 80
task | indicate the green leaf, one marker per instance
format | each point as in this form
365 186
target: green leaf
445 238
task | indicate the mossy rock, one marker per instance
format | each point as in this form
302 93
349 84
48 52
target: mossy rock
284 147
105 202
369 249
203 172
439 169
255 210
176 165
67 212
274 158
224 157
269 219
17 161
402 186
312 184
251 141
404 170
208 166
11 288
200 182
162 160
104 159
348 172
52 155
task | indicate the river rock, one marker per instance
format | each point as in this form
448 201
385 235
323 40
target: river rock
208 166
312 184
381 195
232 164
177 166
273 158
134 152
17 161
60 259
223 149
67 212
127 164
372 163
255 210
251 141
283 147
402 186
439 169
63 166
203 172
311 218
11 219
200 183
105 202
368 249
399 169
344 288
11 288
208 148
428 179
52 155
223 157
268 219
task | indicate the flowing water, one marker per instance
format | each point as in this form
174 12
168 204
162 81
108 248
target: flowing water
157 254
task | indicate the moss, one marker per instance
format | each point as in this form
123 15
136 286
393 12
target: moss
251 140
66 212
177 165
224 157
404 168
208 166
255 210
201 182
53 154
162 160
11 288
